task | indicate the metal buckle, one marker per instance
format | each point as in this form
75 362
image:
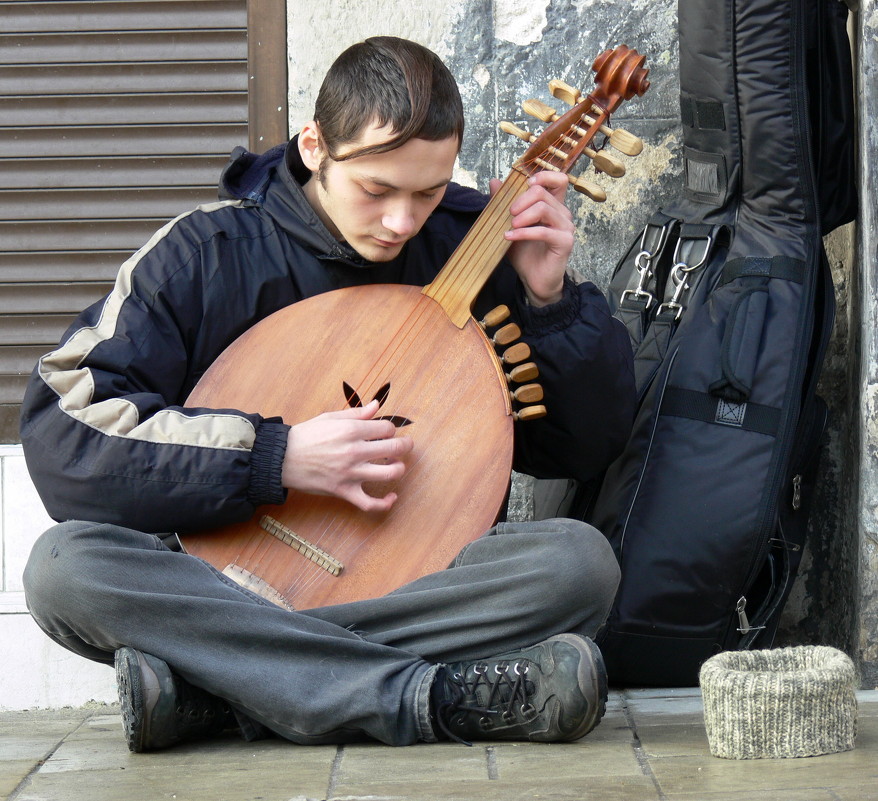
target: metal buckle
679 272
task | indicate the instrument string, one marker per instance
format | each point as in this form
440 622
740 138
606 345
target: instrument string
336 530
472 256
481 249
337 527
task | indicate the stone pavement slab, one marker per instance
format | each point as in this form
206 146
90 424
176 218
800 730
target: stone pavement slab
651 746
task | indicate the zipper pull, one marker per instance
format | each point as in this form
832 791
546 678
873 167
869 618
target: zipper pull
744 626
743 623
797 492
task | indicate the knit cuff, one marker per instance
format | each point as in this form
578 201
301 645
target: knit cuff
538 320
266 463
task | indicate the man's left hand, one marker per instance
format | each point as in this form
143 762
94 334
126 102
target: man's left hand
542 234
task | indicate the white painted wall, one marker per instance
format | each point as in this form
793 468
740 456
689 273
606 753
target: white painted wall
34 671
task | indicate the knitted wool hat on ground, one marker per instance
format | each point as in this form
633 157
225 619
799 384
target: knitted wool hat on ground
784 702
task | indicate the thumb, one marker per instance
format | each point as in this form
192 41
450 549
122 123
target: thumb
366 412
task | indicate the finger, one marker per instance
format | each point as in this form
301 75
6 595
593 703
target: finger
556 240
555 182
355 412
370 472
374 449
536 195
368 503
542 215
376 431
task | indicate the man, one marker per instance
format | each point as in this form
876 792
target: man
496 646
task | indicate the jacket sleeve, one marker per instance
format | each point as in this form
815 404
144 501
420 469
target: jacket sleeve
105 433
586 371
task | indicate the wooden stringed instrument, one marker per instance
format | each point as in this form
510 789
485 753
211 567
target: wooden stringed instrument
432 367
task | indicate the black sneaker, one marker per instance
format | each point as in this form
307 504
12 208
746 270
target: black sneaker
160 709
555 691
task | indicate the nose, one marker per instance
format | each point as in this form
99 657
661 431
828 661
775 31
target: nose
399 219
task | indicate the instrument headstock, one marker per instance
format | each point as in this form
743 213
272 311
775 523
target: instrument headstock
619 76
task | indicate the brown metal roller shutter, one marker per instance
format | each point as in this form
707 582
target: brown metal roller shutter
115 117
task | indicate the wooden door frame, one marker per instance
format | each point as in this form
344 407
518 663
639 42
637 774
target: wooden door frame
268 114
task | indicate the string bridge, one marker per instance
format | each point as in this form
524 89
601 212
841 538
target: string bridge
308 549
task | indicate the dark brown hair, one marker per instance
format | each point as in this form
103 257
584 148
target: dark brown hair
388 81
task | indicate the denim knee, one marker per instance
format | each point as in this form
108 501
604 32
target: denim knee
47 579
584 567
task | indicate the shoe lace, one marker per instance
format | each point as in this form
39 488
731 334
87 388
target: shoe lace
508 696
194 706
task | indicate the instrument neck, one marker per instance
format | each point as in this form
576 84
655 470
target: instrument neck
459 282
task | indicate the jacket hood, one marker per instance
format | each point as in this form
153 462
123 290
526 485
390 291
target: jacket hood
274 180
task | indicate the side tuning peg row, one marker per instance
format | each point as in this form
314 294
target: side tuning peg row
528 394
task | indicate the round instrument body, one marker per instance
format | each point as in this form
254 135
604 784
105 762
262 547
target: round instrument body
385 340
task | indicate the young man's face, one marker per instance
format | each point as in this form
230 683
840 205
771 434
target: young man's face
377 203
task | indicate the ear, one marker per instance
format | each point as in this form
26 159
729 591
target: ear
309 145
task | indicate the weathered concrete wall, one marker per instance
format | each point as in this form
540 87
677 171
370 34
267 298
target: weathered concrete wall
822 605
865 300
505 51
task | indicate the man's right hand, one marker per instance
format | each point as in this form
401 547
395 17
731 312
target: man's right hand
335 453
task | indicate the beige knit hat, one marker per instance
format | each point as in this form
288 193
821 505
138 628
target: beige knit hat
785 702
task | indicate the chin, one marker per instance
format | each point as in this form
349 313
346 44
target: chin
379 254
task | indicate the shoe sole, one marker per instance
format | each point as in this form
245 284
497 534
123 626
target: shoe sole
130 685
592 677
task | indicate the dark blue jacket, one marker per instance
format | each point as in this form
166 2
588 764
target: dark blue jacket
105 432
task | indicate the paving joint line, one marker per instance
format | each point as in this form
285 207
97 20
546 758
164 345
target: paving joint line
334 771
639 753
491 763
25 782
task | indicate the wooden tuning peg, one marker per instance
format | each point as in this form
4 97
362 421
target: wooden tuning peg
625 142
523 372
529 393
506 335
608 164
514 130
515 354
495 317
529 413
565 92
542 111
588 189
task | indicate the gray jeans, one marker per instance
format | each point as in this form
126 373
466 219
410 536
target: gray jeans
332 674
